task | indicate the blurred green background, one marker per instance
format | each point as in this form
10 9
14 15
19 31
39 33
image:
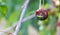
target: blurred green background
10 11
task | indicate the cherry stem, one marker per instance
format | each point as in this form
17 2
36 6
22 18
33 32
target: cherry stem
43 2
39 4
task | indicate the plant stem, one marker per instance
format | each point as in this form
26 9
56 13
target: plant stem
21 18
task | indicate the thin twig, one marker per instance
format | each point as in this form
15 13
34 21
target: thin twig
21 18
28 18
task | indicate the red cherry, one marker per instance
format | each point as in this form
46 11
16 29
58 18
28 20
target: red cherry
42 14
